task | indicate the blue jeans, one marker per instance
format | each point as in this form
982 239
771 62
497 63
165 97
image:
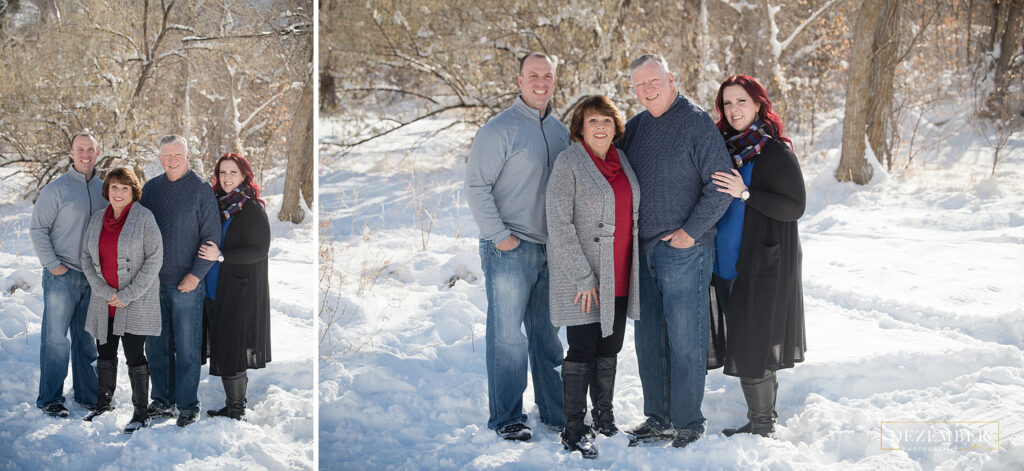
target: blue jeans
65 306
517 295
174 355
672 333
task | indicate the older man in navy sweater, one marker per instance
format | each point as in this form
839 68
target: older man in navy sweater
186 212
674 148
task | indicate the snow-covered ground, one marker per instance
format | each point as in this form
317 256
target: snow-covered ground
278 433
913 292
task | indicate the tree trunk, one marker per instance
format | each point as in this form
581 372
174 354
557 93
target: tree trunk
996 30
883 67
299 175
1009 44
852 164
328 92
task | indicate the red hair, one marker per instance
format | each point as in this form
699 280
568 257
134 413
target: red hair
248 183
772 121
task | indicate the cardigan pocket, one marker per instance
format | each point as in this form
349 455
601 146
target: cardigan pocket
767 262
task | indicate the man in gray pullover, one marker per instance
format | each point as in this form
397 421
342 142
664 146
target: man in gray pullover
506 180
674 148
59 218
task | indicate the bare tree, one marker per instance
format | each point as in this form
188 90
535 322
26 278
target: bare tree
1007 42
299 178
131 71
778 48
852 164
885 48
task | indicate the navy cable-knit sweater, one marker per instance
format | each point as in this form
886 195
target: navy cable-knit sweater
673 157
186 212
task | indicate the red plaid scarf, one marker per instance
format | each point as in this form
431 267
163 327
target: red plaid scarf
232 202
746 145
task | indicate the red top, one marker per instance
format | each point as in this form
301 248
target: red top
622 244
108 247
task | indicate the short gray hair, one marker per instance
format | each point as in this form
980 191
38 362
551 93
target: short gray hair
171 139
644 59
84 133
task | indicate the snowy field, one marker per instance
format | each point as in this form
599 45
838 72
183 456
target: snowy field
278 434
913 290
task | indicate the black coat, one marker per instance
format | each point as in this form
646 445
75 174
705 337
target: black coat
765 314
240 315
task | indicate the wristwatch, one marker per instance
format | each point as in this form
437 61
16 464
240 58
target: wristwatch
220 258
745 195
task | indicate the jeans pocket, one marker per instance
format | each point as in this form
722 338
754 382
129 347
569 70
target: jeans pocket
684 249
513 249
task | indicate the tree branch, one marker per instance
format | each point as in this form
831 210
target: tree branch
120 35
391 90
298 29
403 124
267 103
803 25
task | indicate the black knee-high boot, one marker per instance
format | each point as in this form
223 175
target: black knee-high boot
760 395
234 393
575 380
106 377
139 377
602 390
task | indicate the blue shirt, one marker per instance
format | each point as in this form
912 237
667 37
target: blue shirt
213 276
730 231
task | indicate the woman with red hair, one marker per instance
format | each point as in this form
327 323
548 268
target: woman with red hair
238 303
757 268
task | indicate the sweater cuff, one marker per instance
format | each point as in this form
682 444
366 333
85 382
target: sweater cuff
105 292
587 283
501 236
695 230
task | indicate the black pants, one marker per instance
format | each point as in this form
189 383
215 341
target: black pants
586 343
134 346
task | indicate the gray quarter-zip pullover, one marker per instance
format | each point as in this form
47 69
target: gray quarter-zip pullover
508 169
60 216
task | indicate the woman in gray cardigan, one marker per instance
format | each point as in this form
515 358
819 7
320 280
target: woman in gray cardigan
121 258
593 202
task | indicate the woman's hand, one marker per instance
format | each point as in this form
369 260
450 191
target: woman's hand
588 298
116 302
729 183
209 251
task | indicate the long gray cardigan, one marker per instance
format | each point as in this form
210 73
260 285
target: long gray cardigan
581 226
140 253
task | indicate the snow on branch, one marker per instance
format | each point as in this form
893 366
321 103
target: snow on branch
779 47
177 27
267 103
295 29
